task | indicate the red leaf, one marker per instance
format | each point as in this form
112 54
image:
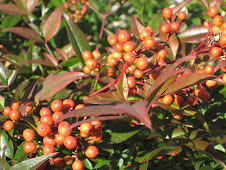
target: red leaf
27 6
11 9
102 98
221 64
54 83
193 34
50 58
136 25
177 8
174 44
216 3
52 23
37 61
61 54
25 32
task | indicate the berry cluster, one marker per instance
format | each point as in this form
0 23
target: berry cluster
52 134
76 9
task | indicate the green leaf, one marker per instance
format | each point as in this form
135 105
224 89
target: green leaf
33 163
206 167
54 83
52 24
77 38
4 141
87 164
102 163
149 155
122 86
2 103
20 151
179 132
10 21
3 158
144 166
22 86
11 9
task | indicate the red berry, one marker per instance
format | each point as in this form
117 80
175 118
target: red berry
149 42
43 129
192 100
8 125
44 111
175 26
91 152
57 105
165 28
6 111
167 12
181 15
29 147
47 149
70 142
212 11
29 135
77 165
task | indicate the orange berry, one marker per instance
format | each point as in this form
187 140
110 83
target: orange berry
46 119
47 149
175 26
70 142
177 115
48 140
43 129
59 139
112 61
86 128
222 40
218 20
86 70
162 54
224 78
142 63
86 55
197 89
203 95
8 125
167 12
119 47
29 135
14 115
123 36
56 116
58 162
77 165
178 100
109 72
91 152
211 83
200 71
29 147
223 32
209 69
165 28
44 111
6 111
63 127
117 55
68 159
215 30
149 42
138 73
96 137
28 108
56 105
181 15
167 99
216 51
192 100
129 57
133 91
131 68
15 104
149 29
131 81
223 68
96 54
212 11
206 24
144 34
129 46
68 104
79 106
91 63
112 39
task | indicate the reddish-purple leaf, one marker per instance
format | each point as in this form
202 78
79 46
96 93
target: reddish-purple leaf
204 3
174 44
52 23
221 64
61 54
11 9
26 6
50 58
24 32
216 3
177 8
54 83
122 86
109 49
102 98
38 61
136 25
193 34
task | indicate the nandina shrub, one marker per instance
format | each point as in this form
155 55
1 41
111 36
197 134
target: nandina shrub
150 97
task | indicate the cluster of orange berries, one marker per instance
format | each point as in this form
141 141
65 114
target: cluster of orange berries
54 134
77 9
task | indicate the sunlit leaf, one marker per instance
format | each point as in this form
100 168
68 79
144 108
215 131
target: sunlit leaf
122 86
136 25
3 158
50 58
11 9
38 61
27 6
102 98
5 141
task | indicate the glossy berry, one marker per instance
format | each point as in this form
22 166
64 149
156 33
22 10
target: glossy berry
175 26
206 24
119 47
8 125
138 73
57 105
162 54
223 68
181 15
56 116
47 149
192 100
129 57
79 106
46 119
131 81
91 63
203 95
224 78
222 40
223 26
112 61
197 89
178 100
59 139
209 69
167 99
86 128
49 140
29 147
112 39
14 115
144 34
6 111
218 20
154 74
70 142
86 55
131 68
91 152
212 11
118 55
167 12
109 72
149 29
149 42
15 104
211 83
86 70
58 162
165 28
123 36
142 63
77 165
68 104
43 129
96 54
28 108
29 135
68 159
129 46
44 111
216 51
215 30
63 127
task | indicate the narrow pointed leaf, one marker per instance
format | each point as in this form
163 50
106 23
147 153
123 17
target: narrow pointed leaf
52 24
33 163
54 83
221 64
27 6
38 61
11 9
25 32
178 7
122 86
12 77
174 45
101 98
136 25
51 58
5 141
77 38
3 157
